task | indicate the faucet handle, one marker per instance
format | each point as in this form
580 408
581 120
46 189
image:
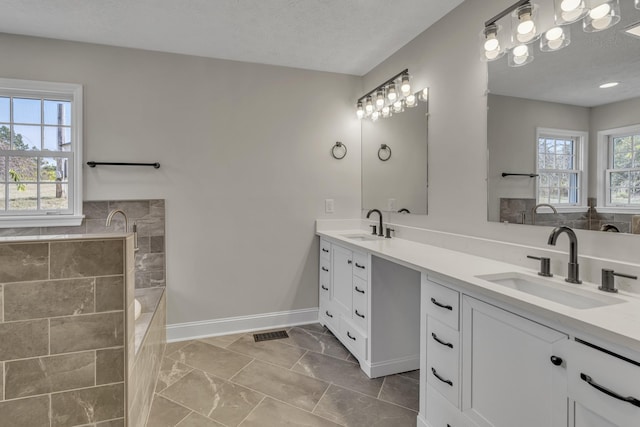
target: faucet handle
608 281
389 230
545 265
374 232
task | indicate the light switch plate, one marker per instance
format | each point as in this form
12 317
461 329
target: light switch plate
328 206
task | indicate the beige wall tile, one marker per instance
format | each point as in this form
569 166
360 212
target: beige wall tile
24 262
34 300
1 381
24 339
29 412
95 210
133 208
1 303
87 258
87 406
109 366
49 374
112 423
87 332
109 293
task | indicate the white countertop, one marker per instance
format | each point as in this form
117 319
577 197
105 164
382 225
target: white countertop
618 323
46 238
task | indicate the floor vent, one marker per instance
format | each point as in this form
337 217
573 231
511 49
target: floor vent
270 336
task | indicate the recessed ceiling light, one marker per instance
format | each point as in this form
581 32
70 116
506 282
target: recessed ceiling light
608 85
633 30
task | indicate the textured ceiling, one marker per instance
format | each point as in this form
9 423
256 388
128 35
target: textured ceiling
345 36
573 74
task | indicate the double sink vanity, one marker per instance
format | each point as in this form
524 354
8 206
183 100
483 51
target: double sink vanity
496 344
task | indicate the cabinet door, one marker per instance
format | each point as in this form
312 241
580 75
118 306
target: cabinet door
508 376
584 417
342 279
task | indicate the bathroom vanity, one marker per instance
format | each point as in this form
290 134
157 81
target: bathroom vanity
498 345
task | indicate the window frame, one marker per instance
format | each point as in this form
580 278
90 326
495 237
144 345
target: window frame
581 159
605 154
62 91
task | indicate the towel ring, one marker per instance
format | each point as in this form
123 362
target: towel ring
384 148
339 145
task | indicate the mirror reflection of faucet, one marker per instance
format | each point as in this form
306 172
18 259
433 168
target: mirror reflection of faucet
126 226
535 210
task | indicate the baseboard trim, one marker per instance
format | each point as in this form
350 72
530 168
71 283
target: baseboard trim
240 324
422 422
389 367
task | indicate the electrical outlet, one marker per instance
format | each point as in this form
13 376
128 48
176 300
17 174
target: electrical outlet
328 206
391 204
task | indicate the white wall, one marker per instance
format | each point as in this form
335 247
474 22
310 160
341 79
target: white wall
446 58
246 165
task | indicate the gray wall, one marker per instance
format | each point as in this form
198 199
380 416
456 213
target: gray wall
246 165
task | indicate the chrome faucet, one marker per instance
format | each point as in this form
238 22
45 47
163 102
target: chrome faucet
126 226
573 272
535 210
380 231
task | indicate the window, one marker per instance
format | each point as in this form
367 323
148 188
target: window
560 167
40 153
622 175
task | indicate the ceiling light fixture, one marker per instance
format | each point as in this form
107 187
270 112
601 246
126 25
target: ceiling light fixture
568 11
603 14
608 85
375 105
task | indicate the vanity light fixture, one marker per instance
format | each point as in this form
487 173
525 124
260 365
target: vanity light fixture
524 21
568 11
398 107
380 98
555 39
608 85
391 97
405 87
368 106
490 43
423 95
520 55
360 110
391 92
603 14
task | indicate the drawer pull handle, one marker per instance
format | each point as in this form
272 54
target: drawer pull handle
556 360
589 380
359 315
324 287
435 374
359 266
349 335
325 269
439 304
438 340
349 261
329 314
325 250
359 290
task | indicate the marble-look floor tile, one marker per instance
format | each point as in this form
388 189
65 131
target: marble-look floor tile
214 397
320 343
297 389
212 359
31 412
222 341
414 375
175 346
280 414
170 372
353 409
196 420
402 391
339 372
315 327
274 351
165 413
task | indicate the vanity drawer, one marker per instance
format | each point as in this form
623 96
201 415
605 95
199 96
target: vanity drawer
325 250
443 356
325 278
353 338
361 265
440 413
329 316
592 371
360 312
443 303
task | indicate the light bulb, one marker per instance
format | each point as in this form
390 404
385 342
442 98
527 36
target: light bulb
523 20
570 5
411 101
380 99
600 12
405 87
424 94
391 92
368 106
375 116
601 23
397 106
554 34
493 54
360 110
521 50
526 27
386 112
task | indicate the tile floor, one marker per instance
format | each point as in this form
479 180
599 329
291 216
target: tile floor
308 379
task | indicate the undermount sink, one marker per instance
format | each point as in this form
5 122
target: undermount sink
361 237
551 290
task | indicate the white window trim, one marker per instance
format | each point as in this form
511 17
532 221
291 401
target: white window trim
603 165
74 93
582 160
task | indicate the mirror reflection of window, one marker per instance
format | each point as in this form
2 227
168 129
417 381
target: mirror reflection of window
623 169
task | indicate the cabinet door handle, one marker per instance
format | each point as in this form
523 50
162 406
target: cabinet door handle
592 383
325 269
329 314
359 290
435 374
556 360
359 266
359 315
349 261
438 340
324 287
325 250
349 335
439 304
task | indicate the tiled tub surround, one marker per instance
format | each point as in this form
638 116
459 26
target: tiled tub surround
62 332
149 215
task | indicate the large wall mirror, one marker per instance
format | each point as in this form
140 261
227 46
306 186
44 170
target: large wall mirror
394 162
569 148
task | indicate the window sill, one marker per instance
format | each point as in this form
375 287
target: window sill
565 209
618 210
41 221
